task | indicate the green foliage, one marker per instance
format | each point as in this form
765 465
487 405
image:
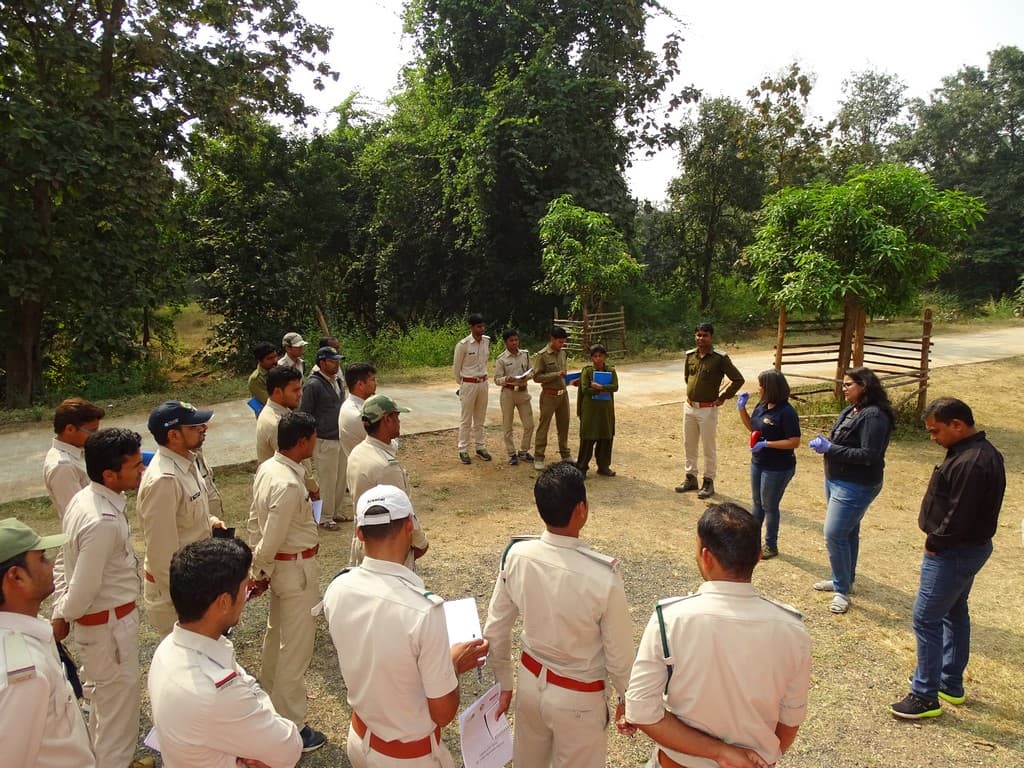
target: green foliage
584 255
869 120
876 238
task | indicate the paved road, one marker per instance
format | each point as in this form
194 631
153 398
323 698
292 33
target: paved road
231 438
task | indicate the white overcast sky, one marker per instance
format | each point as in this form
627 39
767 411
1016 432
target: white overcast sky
729 46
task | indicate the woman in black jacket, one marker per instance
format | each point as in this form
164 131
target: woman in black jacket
854 460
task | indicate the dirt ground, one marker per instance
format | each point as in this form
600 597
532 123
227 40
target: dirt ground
861 660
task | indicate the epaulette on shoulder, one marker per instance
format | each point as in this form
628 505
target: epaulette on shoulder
19 660
488 338
435 600
515 540
785 606
605 560
666 601
218 675
342 572
691 351
108 516
225 679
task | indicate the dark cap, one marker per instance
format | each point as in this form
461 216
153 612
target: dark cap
328 353
174 414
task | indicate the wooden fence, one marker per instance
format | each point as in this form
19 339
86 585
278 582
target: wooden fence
608 328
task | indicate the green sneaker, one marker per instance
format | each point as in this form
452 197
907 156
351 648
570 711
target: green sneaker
914 707
951 699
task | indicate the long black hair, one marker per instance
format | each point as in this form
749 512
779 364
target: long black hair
874 393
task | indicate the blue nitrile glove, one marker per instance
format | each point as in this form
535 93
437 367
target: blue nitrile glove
741 401
820 444
759 446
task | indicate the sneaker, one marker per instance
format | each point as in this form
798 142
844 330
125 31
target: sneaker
689 484
707 490
840 603
914 707
767 553
526 456
949 698
483 454
464 457
513 459
538 465
825 586
311 740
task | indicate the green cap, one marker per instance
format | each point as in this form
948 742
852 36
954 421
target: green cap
379 406
16 538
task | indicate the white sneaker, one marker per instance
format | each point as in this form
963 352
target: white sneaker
840 603
825 586
538 465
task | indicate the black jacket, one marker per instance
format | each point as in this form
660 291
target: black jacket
859 440
320 399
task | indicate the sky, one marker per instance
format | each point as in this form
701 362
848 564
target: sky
729 46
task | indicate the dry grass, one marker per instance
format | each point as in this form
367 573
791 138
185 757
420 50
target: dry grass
861 660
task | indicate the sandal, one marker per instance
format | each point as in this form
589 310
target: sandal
329 525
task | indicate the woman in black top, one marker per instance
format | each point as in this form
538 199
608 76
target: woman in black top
775 433
854 461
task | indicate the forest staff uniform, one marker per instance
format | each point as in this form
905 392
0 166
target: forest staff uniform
351 431
208 711
266 439
469 366
285 541
174 510
97 592
703 377
515 396
554 401
64 474
42 725
695 662
576 633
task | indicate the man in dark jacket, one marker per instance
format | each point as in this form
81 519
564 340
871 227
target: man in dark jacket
322 396
959 515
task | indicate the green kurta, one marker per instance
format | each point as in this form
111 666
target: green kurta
597 417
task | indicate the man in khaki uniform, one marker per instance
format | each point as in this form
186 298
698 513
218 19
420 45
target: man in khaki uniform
361 380
99 587
510 373
64 466
400 672
173 502
373 462
266 358
285 541
696 688
549 369
469 367
285 387
42 725
576 632
294 345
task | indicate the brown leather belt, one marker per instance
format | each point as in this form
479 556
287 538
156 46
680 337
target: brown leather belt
696 404
470 380
514 388
102 617
303 555
562 682
399 750
149 578
547 391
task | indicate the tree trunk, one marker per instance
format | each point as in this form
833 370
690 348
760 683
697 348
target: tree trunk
850 315
23 362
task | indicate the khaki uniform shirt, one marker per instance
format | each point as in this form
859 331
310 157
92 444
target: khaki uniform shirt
741 664
64 474
208 711
351 431
286 362
508 365
99 567
281 515
42 725
471 357
173 509
575 616
266 439
703 376
547 364
400 656
258 384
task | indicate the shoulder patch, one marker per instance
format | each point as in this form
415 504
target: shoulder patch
342 572
19 661
434 600
515 540
605 560
226 679
691 351
785 606
673 600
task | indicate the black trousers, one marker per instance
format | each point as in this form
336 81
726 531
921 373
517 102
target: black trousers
587 450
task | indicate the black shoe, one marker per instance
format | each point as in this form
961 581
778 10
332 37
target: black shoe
707 490
914 707
483 454
526 456
767 553
513 459
689 484
311 740
464 457
606 472
945 696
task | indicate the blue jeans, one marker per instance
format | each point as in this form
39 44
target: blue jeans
847 503
766 489
941 620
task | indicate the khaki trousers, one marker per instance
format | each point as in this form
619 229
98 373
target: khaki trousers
512 401
291 629
557 406
110 681
159 608
700 425
557 727
361 756
331 465
473 398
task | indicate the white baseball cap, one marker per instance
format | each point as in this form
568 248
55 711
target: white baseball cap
393 499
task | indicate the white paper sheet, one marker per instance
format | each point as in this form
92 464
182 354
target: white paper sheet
152 741
463 620
318 507
486 741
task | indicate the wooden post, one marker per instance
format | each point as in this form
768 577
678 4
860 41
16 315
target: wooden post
585 333
845 342
858 337
322 321
780 338
622 319
926 341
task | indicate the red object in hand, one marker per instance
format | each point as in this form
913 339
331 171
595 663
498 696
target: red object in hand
754 437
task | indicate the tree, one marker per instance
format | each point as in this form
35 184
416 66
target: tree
94 98
584 255
868 121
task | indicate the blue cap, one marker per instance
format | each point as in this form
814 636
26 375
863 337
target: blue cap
174 414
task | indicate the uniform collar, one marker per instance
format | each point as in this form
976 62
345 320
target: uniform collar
220 650
387 568
71 450
295 467
117 500
569 542
27 625
356 400
278 408
731 588
185 465
377 442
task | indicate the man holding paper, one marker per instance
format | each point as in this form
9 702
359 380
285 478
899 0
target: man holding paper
576 632
512 373
399 669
